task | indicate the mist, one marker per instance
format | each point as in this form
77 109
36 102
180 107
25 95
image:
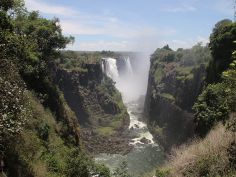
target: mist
130 74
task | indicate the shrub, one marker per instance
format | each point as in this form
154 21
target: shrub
13 103
213 105
206 157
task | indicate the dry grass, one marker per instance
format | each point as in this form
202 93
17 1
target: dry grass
209 153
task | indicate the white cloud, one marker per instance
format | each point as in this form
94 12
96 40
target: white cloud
75 28
101 45
188 43
181 8
48 9
127 35
225 6
113 28
78 23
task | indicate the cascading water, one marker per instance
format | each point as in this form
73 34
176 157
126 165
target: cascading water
146 153
128 66
110 68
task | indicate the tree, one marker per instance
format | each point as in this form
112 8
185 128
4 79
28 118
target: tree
222 46
217 101
13 102
212 106
122 170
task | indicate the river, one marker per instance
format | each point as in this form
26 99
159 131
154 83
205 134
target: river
146 154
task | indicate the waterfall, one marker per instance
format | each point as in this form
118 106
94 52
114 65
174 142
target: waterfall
130 81
109 67
124 80
128 66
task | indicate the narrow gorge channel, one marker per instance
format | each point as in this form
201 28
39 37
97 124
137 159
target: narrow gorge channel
146 154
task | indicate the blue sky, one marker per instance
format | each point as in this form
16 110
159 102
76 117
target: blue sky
131 25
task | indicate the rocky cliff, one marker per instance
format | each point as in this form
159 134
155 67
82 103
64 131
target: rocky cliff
98 106
175 80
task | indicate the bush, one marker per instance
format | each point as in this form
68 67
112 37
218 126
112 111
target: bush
213 105
206 157
80 165
13 103
162 173
122 170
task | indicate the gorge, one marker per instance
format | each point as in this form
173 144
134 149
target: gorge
152 112
146 154
101 107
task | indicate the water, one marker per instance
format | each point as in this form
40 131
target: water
146 154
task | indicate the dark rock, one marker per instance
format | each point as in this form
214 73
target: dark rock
173 117
145 140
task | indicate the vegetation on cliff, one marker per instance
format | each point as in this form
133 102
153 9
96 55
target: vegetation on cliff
175 80
39 133
214 153
94 99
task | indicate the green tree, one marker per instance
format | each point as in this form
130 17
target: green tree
122 170
212 106
13 102
216 102
222 45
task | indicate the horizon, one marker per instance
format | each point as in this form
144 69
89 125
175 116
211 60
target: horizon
135 25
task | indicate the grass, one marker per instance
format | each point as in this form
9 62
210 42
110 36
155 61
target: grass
206 157
158 75
184 73
168 96
105 131
43 157
184 70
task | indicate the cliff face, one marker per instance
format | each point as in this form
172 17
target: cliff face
173 88
97 104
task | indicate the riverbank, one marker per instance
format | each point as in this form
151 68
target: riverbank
114 144
145 154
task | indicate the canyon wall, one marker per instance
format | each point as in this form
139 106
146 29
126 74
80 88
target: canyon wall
175 80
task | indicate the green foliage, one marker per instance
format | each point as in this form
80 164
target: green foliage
13 103
229 79
109 97
39 42
80 165
162 172
122 170
222 45
183 61
45 138
53 157
159 73
111 102
203 167
216 102
105 131
168 96
6 4
213 105
165 54
43 131
197 55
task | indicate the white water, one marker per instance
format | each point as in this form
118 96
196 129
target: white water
146 153
110 68
128 66
126 85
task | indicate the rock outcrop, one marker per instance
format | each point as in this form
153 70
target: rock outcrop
97 104
173 88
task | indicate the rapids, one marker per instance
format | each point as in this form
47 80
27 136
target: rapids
146 154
